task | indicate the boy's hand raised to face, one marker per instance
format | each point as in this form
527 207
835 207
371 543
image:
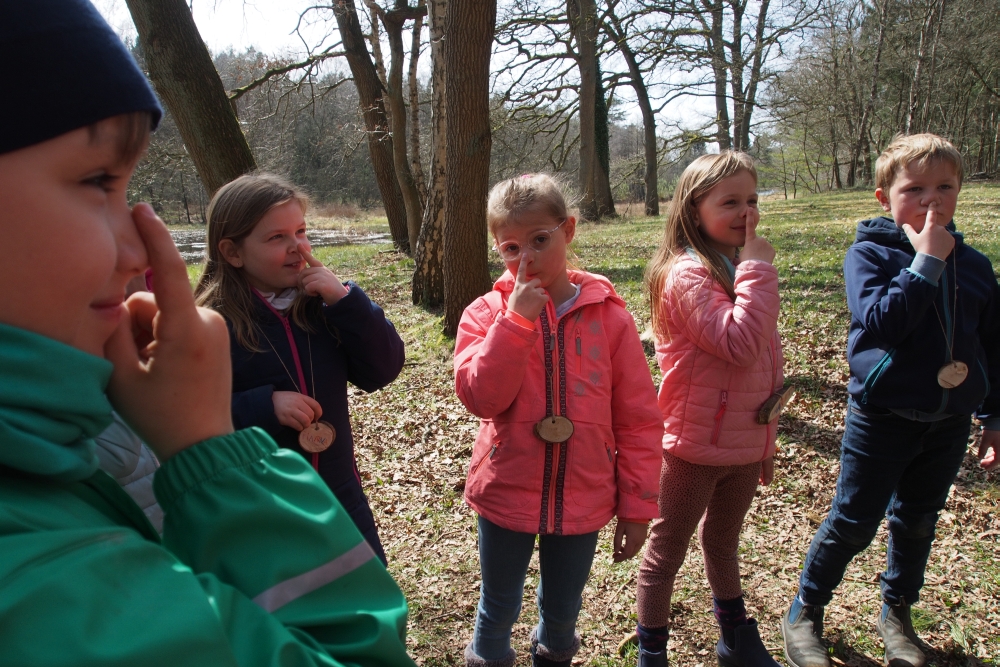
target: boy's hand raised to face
756 247
172 378
317 280
933 239
528 298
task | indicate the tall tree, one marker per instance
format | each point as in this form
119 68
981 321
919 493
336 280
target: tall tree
428 273
372 107
469 28
582 16
393 22
186 79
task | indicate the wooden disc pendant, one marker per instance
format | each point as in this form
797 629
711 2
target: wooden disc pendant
554 429
952 374
317 437
775 403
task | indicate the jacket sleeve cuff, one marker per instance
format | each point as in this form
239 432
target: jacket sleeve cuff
519 319
206 459
927 267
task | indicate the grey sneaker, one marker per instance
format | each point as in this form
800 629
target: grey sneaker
902 646
802 628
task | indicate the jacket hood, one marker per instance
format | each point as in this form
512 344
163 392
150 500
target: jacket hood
884 231
594 288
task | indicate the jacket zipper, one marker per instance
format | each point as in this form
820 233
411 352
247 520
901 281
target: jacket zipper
723 404
876 373
493 450
610 460
579 353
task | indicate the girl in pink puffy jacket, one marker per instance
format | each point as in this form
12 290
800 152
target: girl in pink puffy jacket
715 314
570 435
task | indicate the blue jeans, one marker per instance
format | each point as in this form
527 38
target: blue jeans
889 467
565 562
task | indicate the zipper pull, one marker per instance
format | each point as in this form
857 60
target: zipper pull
493 450
579 344
609 453
722 404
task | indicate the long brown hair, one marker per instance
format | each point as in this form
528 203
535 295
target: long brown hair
232 214
682 231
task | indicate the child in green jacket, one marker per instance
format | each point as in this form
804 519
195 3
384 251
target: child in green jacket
258 564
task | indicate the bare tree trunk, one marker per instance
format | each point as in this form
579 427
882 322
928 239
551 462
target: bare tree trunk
861 140
918 69
602 166
376 123
393 22
750 99
185 77
428 273
469 29
736 64
583 21
414 88
720 69
925 110
617 34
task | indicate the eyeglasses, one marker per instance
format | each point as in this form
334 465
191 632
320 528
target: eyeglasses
540 241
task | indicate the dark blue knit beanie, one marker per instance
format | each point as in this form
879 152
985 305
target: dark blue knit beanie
64 68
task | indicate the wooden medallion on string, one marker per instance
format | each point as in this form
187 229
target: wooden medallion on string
554 429
317 437
952 374
775 403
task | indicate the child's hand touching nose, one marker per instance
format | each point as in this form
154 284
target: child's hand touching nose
528 298
172 379
317 280
933 239
756 247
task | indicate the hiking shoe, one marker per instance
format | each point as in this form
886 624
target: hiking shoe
543 656
748 650
902 646
802 629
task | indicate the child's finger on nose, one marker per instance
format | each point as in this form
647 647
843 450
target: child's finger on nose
172 288
310 260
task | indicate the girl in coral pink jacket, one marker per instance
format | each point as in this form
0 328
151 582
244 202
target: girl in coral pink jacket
551 362
715 315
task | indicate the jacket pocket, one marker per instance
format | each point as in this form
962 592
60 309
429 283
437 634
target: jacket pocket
591 479
875 373
505 478
719 415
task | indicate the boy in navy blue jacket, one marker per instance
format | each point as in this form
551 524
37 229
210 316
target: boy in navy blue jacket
924 352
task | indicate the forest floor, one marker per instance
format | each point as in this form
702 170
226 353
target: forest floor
414 440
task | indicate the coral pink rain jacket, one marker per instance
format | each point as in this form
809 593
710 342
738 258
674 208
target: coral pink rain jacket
600 381
722 361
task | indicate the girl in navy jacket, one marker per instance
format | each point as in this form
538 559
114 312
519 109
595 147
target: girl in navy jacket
297 334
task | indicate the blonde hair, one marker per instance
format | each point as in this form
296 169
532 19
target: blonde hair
514 197
681 231
233 213
921 149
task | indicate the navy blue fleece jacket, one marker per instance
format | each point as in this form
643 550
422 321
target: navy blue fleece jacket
901 304
353 342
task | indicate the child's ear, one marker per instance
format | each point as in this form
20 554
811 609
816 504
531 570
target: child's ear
230 253
569 229
883 198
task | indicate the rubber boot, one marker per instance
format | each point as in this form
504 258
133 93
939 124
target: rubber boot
543 656
802 629
747 651
902 646
473 660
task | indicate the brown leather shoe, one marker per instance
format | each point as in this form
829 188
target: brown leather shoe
902 646
802 629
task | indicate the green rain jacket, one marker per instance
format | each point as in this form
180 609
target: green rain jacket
258 565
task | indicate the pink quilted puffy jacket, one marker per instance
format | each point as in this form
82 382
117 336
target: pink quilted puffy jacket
600 380
721 362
